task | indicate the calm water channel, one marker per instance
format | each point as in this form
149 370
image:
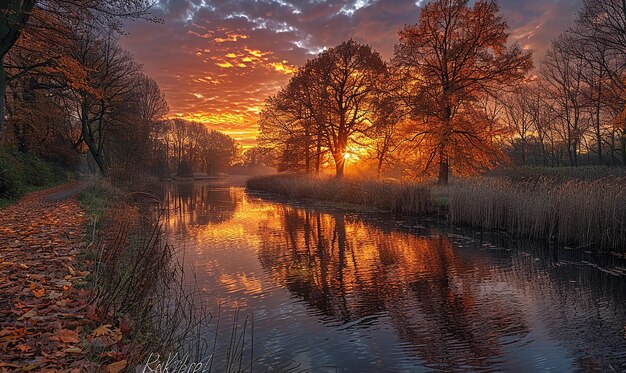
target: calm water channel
332 290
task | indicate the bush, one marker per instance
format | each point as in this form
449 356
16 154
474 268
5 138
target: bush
23 172
36 172
11 181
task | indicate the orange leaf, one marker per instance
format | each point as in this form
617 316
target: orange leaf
66 336
39 292
116 367
102 330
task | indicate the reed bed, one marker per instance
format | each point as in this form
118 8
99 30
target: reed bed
560 174
574 212
402 198
566 210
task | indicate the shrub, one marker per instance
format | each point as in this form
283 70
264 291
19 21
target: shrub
11 181
36 172
23 172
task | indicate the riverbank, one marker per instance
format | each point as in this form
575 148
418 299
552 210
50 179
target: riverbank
84 279
44 296
589 213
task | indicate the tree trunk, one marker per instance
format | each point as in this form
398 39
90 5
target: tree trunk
598 133
91 144
443 169
340 164
307 153
3 90
624 147
318 154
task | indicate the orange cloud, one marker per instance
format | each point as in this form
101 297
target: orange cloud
284 67
230 37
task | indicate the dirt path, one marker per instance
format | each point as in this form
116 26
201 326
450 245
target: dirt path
41 309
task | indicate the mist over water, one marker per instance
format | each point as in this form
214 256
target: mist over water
330 290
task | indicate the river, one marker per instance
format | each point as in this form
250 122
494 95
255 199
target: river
322 289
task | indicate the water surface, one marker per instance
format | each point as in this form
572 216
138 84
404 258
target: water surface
330 290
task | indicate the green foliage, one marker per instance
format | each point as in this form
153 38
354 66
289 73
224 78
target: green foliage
11 181
24 172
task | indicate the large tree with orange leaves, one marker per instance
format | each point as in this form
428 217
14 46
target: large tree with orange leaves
444 63
43 18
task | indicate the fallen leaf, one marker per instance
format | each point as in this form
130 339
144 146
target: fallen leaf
29 314
73 350
23 347
116 367
102 330
66 336
39 292
54 295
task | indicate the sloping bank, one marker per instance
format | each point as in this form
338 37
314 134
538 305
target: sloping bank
568 211
136 286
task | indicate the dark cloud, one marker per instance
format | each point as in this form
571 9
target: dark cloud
217 61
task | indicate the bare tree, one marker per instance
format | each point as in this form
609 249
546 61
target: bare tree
564 77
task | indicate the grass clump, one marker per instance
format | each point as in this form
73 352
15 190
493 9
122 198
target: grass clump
557 174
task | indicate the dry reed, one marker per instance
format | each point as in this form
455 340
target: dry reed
402 198
567 208
574 212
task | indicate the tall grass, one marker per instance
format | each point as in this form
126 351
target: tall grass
135 278
564 209
577 212
402 198
560 174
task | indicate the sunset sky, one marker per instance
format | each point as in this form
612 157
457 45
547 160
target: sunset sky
217 61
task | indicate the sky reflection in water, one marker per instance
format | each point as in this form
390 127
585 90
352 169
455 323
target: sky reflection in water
368 293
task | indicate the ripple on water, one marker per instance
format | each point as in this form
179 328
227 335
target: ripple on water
359 291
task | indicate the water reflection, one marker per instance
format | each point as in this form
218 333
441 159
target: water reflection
335 289
193 204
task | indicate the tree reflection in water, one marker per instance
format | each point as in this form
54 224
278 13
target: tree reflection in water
362 291
453 308
198 204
